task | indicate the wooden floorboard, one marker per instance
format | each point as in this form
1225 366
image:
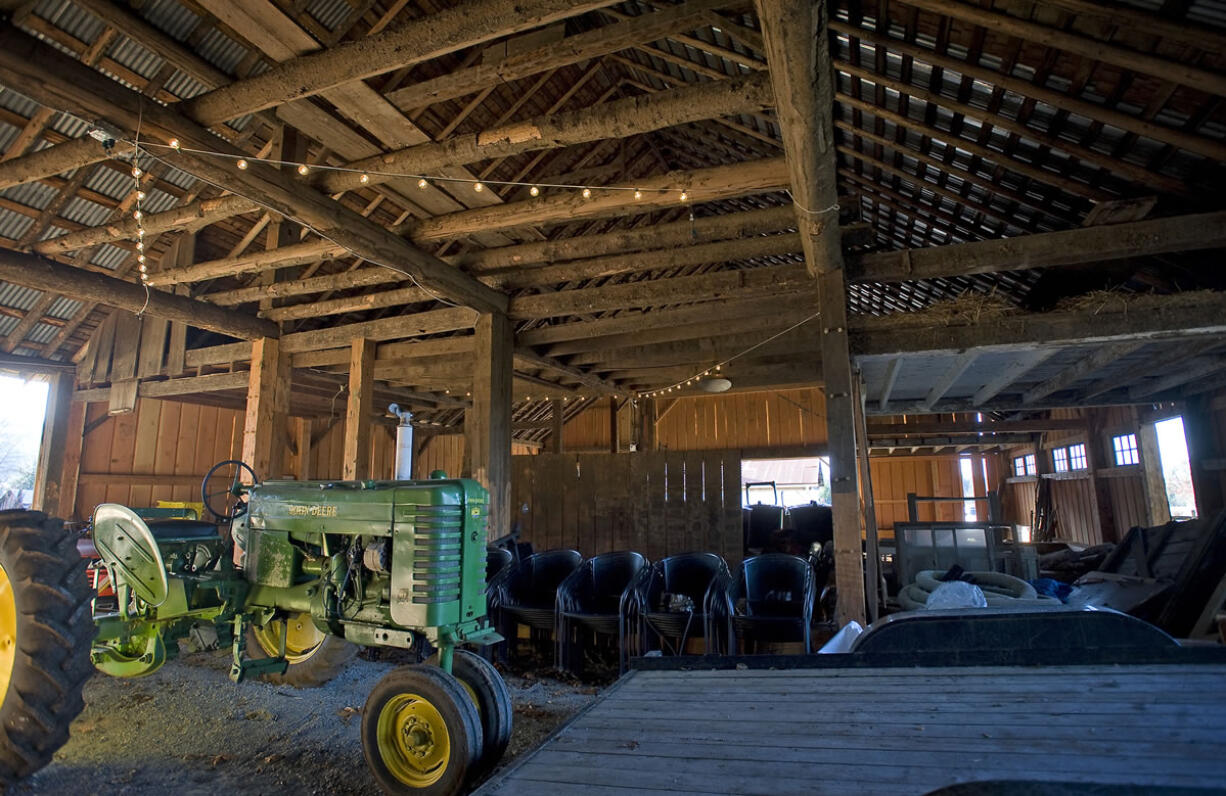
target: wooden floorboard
905 731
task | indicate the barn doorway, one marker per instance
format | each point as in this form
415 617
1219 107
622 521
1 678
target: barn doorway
21 429
1176 470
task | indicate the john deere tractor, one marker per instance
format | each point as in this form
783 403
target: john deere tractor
308 570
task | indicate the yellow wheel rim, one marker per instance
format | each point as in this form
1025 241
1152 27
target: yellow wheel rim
8 632
302 638
413 740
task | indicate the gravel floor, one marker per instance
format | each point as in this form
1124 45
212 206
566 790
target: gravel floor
187 729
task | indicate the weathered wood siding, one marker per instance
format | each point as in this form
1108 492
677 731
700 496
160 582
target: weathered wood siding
655 503
894 477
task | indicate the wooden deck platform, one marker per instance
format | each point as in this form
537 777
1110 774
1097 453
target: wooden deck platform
816 731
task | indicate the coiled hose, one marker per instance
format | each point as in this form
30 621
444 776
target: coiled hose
999 589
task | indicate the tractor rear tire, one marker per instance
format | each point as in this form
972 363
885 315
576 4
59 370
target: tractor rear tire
45 634
420 732
311 667
488 691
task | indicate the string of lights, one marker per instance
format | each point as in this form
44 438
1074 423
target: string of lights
243 162
719 367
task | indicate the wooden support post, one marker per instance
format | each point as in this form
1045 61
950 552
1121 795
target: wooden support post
648 415
1101 486
359 413
1157 505
872 555
1203 447
267 403
59 457
841 421
487 425
614 442
555 424
304 431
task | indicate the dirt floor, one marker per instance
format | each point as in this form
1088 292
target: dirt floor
187 729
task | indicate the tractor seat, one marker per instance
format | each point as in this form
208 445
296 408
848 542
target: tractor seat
165 530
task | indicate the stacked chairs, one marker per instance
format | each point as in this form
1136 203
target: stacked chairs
591 602
771 601
765 522
526 593
674 601
812 524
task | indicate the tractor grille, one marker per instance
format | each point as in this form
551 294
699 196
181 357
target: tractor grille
438 538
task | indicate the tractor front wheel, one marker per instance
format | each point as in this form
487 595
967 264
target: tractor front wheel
488 691
314 657
45 633
420 732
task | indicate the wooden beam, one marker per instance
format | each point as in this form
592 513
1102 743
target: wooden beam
1183 74
565 52
1145 318
556 422
1194 370
965 427
1083 368
20 364
1157 504
702 185
487 425
648 416
360 410
614 428
68 85
264 440
190 217
56 160
59 456
40 273
891 377
1046 250
947 379
411 42
798 51
1022 363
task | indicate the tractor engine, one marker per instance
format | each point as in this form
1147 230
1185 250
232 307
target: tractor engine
371 561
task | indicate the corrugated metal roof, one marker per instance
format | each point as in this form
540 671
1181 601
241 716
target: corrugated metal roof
179 178
42 333
83 211
157 201
70 18
221 51
31 194
329 13
8 324
13 225
17 297
16 102
136 57
64 307
8 134
109 182
172 18
184 86
109 257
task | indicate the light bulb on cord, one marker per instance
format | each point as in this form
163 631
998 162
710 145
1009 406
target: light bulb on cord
534 191
303 169
478 187
242 164
685 197
365 178
174 144
638 194
587 193
422 183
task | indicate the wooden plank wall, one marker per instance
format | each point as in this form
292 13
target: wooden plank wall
655 503
894 477
1073 497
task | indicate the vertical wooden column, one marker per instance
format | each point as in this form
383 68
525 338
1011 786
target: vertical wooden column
1157 505
648 414
556 407
872 554
841 421
264 442
303 431
360 411
1095 460
1204 449
614 442
59 455
487 425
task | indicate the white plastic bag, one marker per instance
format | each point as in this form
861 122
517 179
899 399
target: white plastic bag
957 594
842 641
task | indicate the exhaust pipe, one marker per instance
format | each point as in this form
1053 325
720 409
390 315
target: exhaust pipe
404 443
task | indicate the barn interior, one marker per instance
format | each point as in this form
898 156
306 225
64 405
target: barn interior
665 278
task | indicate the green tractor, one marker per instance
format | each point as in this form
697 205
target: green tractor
309 571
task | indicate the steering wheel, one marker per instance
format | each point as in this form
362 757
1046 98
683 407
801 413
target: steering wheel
226 503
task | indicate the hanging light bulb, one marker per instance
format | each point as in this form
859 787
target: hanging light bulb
140 232
140 246
242 164
587 193
685 197
140 258
136 172
137 214
303 169
422 183
365 178
174 144
143 268
534 191
140 196
478 187
638 194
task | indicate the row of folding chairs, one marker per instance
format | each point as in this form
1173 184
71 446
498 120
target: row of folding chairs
665 607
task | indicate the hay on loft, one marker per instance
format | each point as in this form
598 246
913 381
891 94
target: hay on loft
966 309
1099 301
